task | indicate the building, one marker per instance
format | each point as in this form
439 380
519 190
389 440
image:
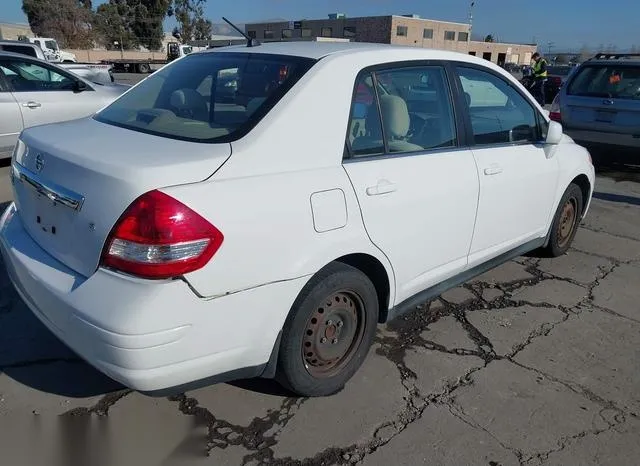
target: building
409 30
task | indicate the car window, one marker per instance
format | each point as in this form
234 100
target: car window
365 126
24 76
620 82
413 105
417 110
499 114
21 49
207 97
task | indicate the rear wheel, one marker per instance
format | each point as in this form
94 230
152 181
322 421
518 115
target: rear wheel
143 68
329 331
565 222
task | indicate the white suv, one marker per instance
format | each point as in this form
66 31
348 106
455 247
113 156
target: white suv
190 233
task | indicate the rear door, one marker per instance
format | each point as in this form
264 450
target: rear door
10 119
518 174
604 98
417 187
46 94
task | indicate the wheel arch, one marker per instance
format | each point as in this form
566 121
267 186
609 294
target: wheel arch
377 273
582 181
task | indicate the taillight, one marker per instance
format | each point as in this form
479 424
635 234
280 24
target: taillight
554 112
159 237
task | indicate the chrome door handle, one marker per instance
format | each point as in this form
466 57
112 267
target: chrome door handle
32 104
492 171
383 187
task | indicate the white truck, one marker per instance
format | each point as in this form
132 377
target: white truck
94 72
52 51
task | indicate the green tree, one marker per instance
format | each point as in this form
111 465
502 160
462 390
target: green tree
132 23
489 38
192 25
67 21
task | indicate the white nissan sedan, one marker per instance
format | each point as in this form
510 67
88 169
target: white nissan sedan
195 231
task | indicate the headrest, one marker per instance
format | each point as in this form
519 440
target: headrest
395 115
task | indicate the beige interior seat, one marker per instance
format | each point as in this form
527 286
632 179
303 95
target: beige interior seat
189 103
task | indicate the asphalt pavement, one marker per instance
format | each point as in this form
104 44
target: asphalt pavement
532 363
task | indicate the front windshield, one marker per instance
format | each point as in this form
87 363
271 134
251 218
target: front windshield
51 44
207 97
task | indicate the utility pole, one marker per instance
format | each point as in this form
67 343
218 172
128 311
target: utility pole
471 18
550 46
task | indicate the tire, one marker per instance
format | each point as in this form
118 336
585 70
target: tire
565 222
143 68
328 332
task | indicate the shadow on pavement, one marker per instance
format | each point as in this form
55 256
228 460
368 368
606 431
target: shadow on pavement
31 355
617 198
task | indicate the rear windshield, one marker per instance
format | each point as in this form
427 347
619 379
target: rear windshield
207 97
610 81
21 49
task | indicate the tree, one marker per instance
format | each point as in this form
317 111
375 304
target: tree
132 23
192 25
114 24
489 38
67 21
585 53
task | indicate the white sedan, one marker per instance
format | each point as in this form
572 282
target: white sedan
265 231
34 92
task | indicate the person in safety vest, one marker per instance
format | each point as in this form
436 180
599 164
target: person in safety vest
539 69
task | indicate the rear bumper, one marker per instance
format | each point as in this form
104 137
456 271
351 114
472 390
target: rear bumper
601 138
147 335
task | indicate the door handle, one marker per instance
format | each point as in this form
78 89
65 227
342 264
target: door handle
383 187
495 170
32 104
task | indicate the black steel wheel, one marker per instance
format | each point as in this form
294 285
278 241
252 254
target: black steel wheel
329 331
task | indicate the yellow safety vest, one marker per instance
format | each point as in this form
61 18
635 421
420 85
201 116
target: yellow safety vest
537 67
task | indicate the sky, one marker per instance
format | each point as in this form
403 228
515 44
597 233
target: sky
568 24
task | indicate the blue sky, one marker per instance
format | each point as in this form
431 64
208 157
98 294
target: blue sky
567 23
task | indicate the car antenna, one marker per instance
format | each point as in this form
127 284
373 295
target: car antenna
250 42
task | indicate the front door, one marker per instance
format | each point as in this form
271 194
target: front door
45 94
518 174
417 189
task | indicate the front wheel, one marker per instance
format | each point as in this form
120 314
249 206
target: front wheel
329 331
565 222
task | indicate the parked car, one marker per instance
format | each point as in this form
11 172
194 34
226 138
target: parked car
94 72
269 240
600 104
34 92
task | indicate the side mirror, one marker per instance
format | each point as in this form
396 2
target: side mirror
555 133
79 86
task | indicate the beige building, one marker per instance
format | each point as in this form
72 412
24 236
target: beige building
410 30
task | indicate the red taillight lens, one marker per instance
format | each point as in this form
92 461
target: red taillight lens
159 237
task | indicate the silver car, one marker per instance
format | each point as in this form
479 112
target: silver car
34 92
599 105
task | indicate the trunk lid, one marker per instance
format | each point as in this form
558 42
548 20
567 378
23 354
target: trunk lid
73 180
602 114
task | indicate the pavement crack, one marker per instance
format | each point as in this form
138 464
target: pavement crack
101 408
575 388
259 436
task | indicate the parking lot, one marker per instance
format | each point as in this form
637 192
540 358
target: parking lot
535 362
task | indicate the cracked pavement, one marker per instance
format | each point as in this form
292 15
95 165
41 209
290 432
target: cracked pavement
533 363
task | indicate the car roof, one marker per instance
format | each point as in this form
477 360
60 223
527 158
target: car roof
4 53
318 50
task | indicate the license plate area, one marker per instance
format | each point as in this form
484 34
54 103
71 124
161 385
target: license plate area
605 116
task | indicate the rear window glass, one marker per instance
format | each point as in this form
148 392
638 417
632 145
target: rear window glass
20 49
609 81
207 97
